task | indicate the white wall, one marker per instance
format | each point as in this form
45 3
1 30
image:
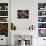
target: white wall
23 24
32 6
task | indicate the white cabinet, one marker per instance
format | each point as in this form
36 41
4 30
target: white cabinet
4 21
3 40
41 41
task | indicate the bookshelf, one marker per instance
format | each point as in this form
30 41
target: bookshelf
4 19
42 19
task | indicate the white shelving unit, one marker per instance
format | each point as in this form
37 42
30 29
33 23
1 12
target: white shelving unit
4 23
42 17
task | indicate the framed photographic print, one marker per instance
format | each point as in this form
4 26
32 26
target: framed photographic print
23 14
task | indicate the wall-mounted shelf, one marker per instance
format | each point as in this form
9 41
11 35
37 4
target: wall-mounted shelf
41 28
3 10
41 10
42 16
3 16
41 22
3 22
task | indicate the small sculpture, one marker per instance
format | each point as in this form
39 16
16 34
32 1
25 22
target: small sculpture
31 27
13 27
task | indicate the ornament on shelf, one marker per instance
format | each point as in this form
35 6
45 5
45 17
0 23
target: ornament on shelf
13 27
31 27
